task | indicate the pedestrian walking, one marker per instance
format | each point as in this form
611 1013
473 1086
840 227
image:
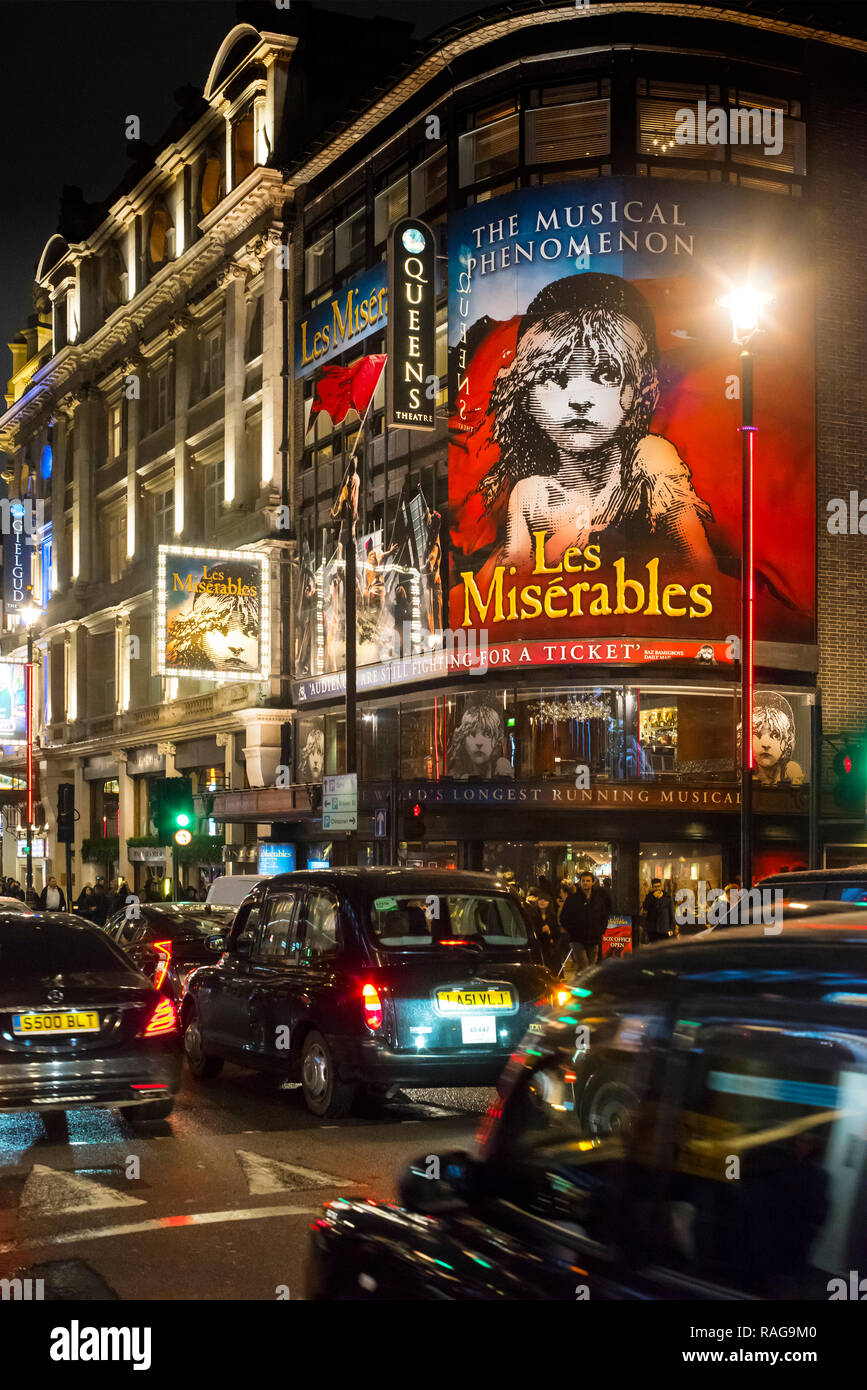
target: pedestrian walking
52 898
85 903
658 910
584 918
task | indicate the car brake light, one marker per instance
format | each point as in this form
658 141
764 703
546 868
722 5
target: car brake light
561 995
165 949
164 1019
372 1005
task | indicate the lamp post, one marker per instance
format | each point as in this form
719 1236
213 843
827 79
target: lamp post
29 615
745 307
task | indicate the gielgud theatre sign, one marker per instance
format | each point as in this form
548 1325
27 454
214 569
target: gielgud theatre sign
595 461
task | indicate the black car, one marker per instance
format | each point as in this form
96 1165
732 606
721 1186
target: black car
691 1126
167 941
79 1026
847 885
366 979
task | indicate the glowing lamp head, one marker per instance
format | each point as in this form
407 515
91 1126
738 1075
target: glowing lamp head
29 614
745 306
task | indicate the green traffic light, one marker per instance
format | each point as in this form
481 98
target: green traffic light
182 818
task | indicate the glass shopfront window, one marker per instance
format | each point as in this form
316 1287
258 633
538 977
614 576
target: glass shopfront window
696 867
377 738
526 864
683 734
559 731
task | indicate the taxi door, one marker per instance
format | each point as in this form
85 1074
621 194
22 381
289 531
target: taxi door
305 988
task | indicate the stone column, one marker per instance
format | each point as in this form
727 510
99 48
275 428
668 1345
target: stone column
133 369
84 556
76 673
237 483
233 833
179 328
126 815
121 663
272 361
82 828
168 751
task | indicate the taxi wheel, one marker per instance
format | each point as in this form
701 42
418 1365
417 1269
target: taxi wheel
325 1094
199 1062
610 1107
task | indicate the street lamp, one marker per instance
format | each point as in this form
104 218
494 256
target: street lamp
29 615
745 305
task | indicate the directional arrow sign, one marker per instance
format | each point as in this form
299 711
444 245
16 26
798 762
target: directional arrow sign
49 1192
265 1175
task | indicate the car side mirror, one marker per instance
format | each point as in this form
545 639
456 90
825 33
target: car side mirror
438 1182
244 946
216 943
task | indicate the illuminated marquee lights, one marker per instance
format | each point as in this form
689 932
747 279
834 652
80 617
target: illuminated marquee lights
254 557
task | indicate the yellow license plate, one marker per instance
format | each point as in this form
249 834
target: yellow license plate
475 998
58 1021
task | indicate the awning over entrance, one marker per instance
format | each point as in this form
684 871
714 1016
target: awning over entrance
265 804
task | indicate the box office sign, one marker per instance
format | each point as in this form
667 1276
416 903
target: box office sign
411 387
212 613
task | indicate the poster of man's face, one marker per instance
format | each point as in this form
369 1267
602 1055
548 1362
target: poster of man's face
310 736
213 613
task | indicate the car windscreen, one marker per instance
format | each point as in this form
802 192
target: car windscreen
32 951
411 921
852 893
174 927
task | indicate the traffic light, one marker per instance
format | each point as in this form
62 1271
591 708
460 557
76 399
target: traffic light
850 778
418 826
66 813
172 810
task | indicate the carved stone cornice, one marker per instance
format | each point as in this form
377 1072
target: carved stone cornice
180 323
232 270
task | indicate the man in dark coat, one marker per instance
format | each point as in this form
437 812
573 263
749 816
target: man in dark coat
659 913
584 917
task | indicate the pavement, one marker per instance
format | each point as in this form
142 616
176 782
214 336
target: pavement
213 1203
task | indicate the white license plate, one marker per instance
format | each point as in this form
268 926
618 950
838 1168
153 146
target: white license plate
479 1030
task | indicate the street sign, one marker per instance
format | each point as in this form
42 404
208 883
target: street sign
380 824
340 802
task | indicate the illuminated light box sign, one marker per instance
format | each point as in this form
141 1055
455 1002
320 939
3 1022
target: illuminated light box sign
213 615
342 321
13 702
410 385
595 454
17 556
276 859
318 864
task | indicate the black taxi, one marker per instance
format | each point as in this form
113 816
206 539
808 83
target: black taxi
692 1125
360 980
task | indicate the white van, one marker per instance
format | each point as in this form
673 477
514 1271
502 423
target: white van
230 890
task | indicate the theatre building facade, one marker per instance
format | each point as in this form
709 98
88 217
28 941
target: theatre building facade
548 580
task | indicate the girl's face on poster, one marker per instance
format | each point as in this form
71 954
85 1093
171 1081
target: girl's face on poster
767 749
479 746
582 406
314 761
234 650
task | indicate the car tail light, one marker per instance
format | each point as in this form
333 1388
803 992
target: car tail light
164 1019
372 1005
165 950
561 995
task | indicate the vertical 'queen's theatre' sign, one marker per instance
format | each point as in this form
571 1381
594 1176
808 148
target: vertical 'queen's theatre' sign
411 386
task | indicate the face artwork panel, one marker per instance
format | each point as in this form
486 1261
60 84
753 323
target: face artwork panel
234 650
582 406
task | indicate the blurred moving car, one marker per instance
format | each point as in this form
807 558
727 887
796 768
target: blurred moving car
788 913
360 980
607 1170
78 1024
167 941
815 885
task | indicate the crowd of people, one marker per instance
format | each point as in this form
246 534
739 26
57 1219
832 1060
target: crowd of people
100 900
571 920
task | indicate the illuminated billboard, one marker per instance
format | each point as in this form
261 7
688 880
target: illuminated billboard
595 454
213 617
13 702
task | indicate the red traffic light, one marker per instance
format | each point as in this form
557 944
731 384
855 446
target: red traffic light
847 763
417 811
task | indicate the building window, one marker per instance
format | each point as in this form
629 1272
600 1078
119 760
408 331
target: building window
115 430
164 516
213 362
243 152
779 124
45 568
213 493
489 149
161 237
389 206
319 263
161 388
115 544
212 183
254 330
428 183
349 240
556 134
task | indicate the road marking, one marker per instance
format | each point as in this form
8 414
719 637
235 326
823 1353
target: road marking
266 1175
50 1192
163 1223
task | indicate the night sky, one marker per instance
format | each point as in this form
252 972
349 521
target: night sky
73 70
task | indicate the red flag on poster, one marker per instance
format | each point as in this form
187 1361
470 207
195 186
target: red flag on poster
338 388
